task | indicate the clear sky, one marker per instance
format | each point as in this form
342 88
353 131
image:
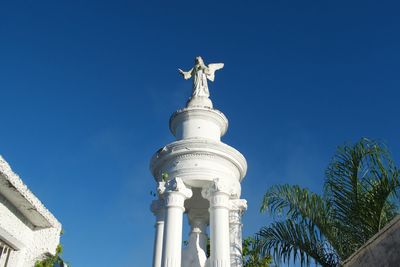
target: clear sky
87 88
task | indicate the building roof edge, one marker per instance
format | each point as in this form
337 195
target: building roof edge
18 194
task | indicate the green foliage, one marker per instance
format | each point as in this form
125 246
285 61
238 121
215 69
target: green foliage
252 256
360 197
164 177
51 260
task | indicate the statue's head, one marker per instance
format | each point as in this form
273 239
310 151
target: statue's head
199 60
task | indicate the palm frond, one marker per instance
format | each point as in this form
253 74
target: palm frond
297 203
360 180
377 206
360 196
301 241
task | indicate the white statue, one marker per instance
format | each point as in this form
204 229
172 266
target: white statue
200 73
193 255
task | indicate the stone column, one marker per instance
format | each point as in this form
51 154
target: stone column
238 206
158 209
175 195
219 193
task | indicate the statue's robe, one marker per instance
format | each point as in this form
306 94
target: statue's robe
200 86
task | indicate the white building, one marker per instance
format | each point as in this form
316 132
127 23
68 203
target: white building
28 231
198 175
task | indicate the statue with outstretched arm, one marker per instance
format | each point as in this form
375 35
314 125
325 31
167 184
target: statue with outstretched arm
200 73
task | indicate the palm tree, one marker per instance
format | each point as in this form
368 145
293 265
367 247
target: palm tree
360 196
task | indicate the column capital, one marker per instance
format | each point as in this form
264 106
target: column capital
232 189
178 186
238 205
175 193
161 188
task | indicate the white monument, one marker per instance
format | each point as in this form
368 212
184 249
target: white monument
198 175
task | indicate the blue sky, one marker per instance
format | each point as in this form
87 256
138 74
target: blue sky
87 88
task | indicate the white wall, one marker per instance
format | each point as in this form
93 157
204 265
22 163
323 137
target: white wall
29 243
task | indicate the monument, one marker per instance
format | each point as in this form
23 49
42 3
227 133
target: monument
198 175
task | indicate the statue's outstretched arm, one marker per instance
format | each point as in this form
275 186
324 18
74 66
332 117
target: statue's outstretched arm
186 74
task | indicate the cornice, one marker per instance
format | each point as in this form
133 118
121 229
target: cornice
197 148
